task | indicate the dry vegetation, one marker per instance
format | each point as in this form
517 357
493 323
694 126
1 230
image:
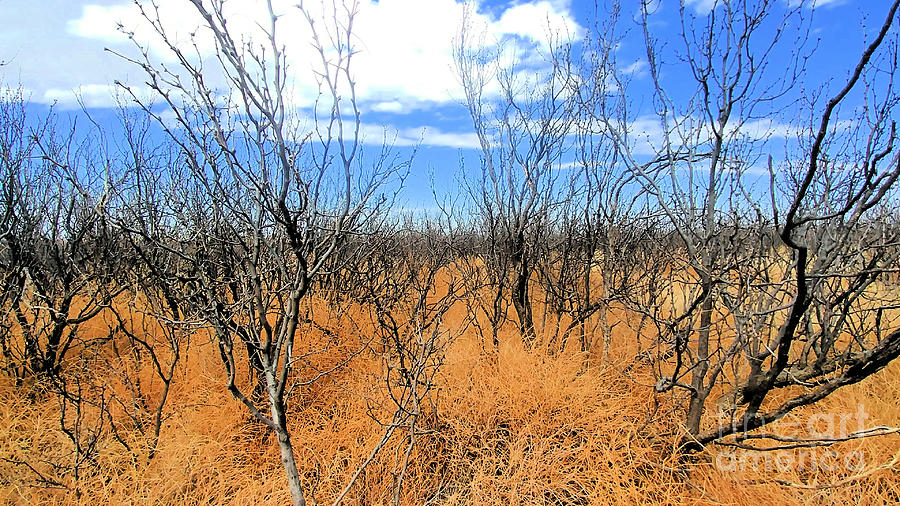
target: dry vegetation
213 305
511 426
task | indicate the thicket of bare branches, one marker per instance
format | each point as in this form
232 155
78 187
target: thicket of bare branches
57 247
742 269
778 282
747 276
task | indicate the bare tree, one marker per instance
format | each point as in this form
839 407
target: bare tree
57 256
595 256
522 135
62 267
260 204
410 285
836 221
155 338
806 264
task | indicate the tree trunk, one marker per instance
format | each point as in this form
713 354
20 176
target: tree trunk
290 467
284 441
522 304
699 393
605 331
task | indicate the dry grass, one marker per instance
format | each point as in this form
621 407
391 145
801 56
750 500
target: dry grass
509 426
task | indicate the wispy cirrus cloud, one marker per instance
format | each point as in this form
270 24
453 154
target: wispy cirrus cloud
374 134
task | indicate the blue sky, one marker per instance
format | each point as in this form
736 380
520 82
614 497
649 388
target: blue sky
55 49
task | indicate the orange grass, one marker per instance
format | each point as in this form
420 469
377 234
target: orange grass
509 426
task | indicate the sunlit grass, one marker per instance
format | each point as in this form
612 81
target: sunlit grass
507 426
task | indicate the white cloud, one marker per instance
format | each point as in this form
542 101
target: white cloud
435 137
639 68
703 6
812 4
404 47
706 6
536 20
392 106
647 134
417 136
89 95
567 165
768 128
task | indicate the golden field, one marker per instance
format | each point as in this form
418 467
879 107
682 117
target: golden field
504 426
